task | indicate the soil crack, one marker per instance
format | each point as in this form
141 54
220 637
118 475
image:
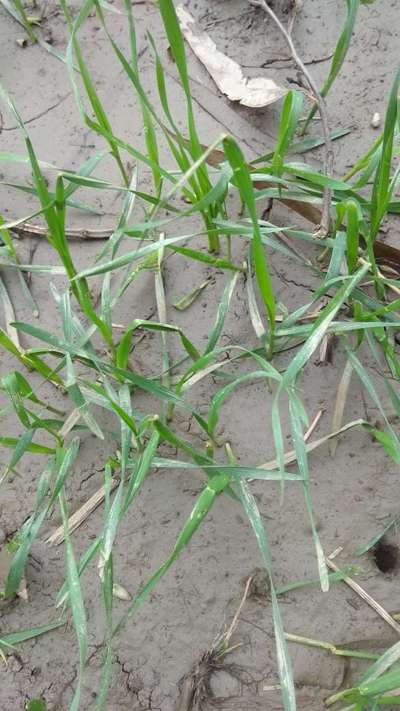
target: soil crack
39 115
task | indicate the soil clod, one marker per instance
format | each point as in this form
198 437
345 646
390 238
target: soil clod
386 556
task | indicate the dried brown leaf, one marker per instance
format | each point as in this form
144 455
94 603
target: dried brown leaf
227 74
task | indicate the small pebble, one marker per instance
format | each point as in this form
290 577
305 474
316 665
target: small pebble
22 42
376 120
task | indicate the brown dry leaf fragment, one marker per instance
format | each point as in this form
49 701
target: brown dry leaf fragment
227 74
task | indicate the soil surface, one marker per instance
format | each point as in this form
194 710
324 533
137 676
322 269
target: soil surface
353 493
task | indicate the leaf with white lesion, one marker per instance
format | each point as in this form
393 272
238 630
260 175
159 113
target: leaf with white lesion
9 315
6 558
340 403
118 590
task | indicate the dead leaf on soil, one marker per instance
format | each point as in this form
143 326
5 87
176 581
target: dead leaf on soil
227 74
5 563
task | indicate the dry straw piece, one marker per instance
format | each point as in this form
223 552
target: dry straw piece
366 597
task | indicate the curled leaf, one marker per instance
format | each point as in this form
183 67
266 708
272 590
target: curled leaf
189 298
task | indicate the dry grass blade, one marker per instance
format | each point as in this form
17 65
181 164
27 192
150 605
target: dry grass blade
227 74
289 244
72 419
76 520
187 300
313 425
290 457
324 350
232 627
366 597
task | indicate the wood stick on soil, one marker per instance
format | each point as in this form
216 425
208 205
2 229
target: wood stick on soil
320 101
366 597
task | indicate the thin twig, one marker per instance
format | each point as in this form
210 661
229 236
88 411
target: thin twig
73 417
320 101
27 230
286 63
366 597
296 7
226 637
313 425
